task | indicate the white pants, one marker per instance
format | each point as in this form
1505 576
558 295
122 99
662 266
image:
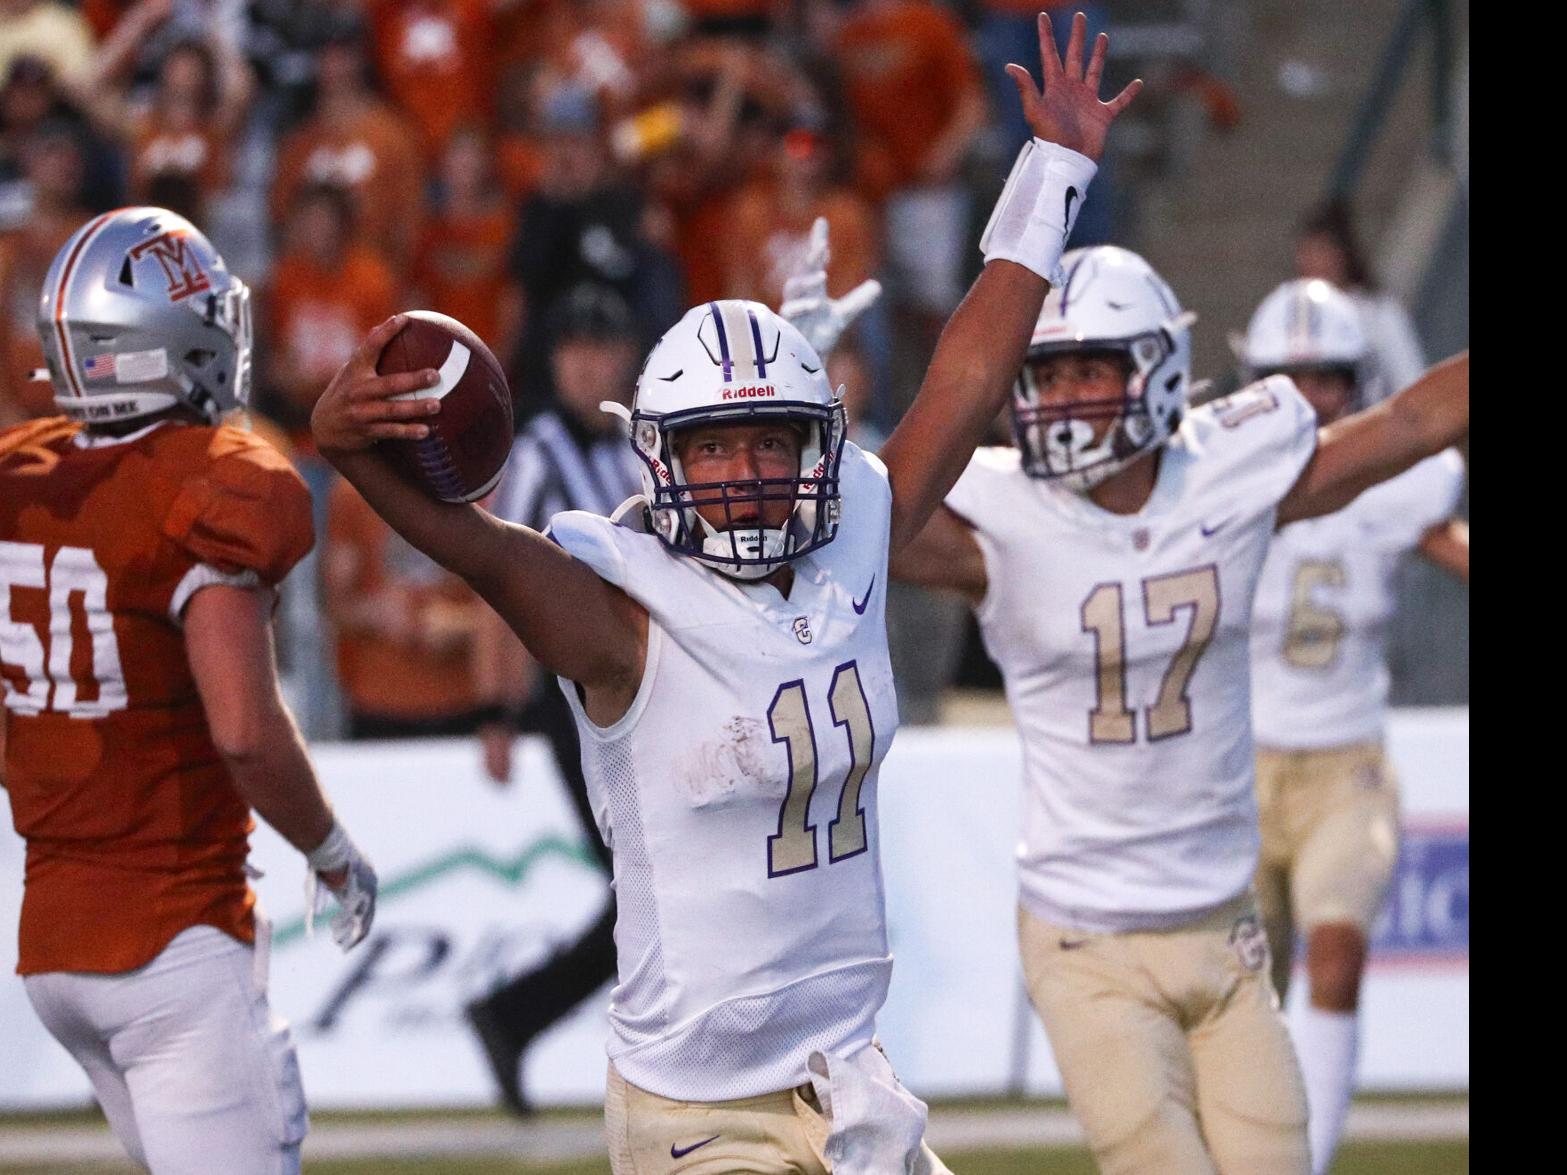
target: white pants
194 1072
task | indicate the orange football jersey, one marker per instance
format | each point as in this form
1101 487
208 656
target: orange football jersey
134 828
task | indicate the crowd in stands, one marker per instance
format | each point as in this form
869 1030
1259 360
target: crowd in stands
486 158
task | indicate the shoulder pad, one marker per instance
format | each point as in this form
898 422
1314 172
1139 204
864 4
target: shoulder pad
1256 441
243 507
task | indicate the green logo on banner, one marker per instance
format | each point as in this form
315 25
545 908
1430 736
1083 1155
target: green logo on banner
510 870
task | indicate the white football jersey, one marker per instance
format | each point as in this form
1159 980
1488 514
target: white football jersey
1318 639
739 796
1123 642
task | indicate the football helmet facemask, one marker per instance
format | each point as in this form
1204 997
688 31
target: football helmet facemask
1308 325
737 362
1111 301
140 314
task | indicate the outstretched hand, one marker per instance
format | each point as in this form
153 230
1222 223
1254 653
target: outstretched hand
1067 111
822 319
360 407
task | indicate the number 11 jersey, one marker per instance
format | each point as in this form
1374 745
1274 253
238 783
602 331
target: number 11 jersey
738 794
1123 643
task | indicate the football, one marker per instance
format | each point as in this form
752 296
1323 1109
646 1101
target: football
462 458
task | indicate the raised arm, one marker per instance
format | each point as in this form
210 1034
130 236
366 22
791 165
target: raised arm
573 623
983 344
944 554
1359 451
1447 545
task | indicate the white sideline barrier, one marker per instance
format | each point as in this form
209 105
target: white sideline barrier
478 881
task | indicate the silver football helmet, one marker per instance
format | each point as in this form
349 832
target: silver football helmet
1112 301
1309 325
735 362
139 314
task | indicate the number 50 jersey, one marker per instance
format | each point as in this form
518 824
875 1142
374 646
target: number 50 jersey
134 830
738 794
1123 642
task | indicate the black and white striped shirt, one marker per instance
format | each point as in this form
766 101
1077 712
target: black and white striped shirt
550 469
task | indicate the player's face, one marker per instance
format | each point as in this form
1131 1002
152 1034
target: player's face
1087 386
740 453
1330 393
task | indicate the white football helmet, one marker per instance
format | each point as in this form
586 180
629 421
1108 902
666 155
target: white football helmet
1111 300
736 362
1307 325
140 314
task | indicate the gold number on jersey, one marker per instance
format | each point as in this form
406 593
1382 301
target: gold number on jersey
793 847
1239 407
74 571
1111 720
1163 595
846 699
1312 636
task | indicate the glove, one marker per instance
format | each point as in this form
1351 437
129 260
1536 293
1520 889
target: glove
822 320
356 895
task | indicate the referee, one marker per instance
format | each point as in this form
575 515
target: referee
573 457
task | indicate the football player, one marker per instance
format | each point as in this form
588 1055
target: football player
141 542
722 644
1111 559
1326 796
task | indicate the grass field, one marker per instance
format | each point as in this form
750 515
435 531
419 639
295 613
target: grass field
1363 1156
1360 1158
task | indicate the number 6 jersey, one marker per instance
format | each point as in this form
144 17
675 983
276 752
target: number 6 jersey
134 830
738 794
1123 642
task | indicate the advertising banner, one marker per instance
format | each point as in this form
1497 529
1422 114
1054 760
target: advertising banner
480 883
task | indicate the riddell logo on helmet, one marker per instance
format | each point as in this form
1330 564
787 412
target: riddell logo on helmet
180 267
749 393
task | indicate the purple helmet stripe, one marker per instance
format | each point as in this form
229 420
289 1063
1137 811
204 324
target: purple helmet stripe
756 341
723 342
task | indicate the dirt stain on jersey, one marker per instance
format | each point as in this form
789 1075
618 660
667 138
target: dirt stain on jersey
736 761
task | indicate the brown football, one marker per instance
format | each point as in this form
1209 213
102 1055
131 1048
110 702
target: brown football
471 436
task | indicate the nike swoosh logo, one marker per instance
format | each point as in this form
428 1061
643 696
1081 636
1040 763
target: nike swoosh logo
860 605
1208 531
1071 944
680 1152
1071 195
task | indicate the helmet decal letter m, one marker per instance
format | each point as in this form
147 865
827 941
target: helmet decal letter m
180 267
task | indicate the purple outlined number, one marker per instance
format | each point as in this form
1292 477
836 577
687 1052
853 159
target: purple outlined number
1111 720
846 700
1237 408
792 849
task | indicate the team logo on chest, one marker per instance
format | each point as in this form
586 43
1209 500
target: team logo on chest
802 629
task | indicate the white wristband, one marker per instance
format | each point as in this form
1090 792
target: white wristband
1036 210
332 853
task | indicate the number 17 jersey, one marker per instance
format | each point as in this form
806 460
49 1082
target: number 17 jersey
1123 643
738 794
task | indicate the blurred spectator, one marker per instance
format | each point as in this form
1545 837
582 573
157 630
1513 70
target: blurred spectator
328 290
54 33
583 224
186 127
356 141
912 85
460 267
732 18
404 628
436 59
31 96
770 223
846 369
1328 247
573 458
707 120
586 45
53 163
